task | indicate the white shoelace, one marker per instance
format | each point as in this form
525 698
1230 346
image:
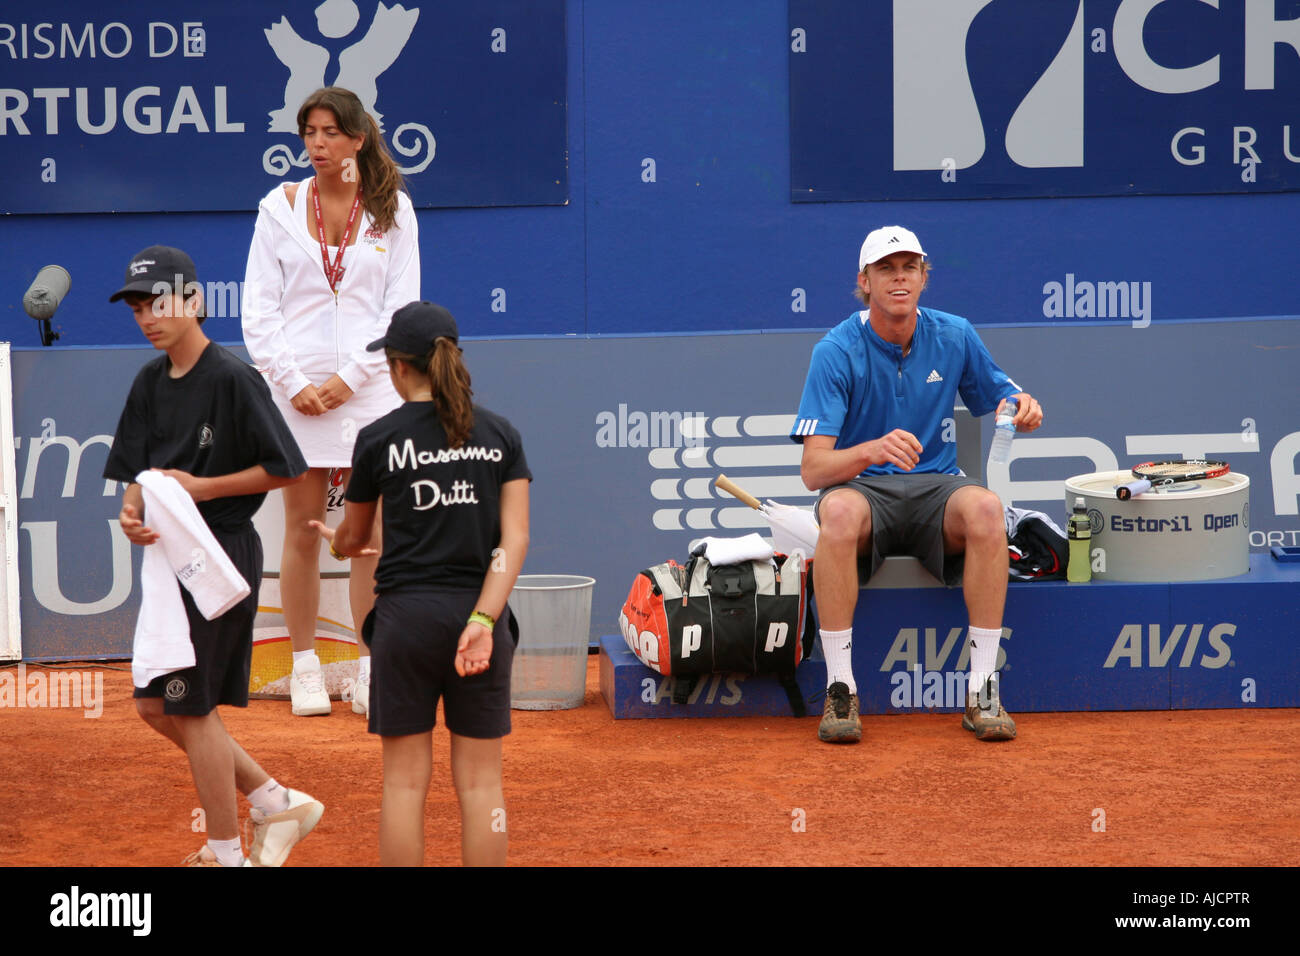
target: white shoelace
310 680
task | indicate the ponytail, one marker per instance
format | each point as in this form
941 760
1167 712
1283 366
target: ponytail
451 391
449 379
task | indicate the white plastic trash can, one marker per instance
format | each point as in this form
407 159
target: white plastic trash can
550 665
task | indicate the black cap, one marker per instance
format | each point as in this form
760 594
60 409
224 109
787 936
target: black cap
155 266
415 327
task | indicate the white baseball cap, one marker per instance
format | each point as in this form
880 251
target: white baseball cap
885 241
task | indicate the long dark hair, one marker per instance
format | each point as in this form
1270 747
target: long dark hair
379 174
449 378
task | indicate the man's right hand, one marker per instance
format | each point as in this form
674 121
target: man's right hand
823 465
308 402
899 448
133 527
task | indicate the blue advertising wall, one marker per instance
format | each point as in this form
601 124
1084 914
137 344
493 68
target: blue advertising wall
680 127
623 463
685 132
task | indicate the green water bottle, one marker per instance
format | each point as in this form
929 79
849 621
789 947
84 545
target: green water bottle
1079 532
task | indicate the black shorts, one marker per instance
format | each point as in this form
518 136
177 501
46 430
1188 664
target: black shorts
223 649
413 635
907 519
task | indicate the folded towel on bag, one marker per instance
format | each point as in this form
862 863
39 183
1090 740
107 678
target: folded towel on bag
719 551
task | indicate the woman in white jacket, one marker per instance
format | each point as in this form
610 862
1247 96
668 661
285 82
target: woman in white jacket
332 258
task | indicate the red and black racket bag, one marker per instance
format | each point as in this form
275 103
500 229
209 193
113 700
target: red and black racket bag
754 617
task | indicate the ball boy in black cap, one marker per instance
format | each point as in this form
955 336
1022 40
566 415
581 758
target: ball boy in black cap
203 417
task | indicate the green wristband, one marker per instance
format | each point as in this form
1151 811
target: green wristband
487 620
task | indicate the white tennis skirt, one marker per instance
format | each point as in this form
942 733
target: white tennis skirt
326 440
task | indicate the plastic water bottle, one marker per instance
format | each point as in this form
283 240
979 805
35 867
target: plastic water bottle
1003 432
1079 532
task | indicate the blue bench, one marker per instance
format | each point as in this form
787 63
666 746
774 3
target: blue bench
1107 645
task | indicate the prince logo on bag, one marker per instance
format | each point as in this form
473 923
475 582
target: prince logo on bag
749 618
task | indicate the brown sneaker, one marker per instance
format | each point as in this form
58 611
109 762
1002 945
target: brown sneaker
840 722
985 715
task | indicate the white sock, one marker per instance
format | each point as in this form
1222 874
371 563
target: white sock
983 656
837 647
270 798
363 669
300 656
229 852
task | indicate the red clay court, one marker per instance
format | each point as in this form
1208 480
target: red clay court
1187 788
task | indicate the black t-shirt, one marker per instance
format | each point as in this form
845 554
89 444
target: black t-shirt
441 506
216 419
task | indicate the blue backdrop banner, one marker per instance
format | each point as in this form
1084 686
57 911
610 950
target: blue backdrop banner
196 109
966 99
623 463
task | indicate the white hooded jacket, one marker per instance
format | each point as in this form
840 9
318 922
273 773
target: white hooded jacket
299 333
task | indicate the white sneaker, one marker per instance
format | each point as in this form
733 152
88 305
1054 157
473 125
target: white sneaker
307 689
274 835
361 697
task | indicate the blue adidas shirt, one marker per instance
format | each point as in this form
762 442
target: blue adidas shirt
860 387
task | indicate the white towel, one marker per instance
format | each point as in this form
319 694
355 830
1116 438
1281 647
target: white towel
752 547
162 631
186 551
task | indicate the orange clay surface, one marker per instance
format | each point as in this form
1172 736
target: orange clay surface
1188 788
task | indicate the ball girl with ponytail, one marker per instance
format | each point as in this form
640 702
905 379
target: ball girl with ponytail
332 257
453 483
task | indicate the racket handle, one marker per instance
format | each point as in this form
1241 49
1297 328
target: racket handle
1125 492
727 485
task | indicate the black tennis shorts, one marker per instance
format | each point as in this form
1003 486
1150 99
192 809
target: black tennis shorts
223 649
907 519
413 635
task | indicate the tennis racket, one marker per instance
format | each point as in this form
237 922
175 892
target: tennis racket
1152 474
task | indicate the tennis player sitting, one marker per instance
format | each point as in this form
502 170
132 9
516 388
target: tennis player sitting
871 420
203 417
454 485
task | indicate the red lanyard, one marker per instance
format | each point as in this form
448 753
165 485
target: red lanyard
333 274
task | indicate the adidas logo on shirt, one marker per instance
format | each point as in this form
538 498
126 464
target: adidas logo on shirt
934 377
806 426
